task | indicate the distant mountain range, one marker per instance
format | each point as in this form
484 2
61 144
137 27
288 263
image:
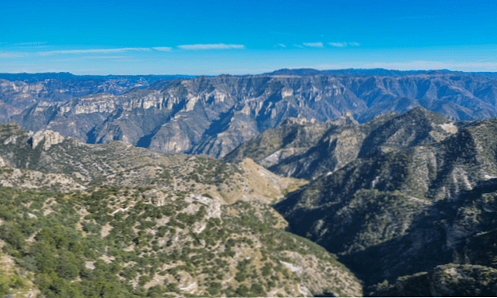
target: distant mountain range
20 91
376 72
393 173
213 115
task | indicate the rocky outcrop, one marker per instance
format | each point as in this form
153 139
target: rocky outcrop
403 211
48 137
19 91
118 163
290 151
29 179
213 115
444 281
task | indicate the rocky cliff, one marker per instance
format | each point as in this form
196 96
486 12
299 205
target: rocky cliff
401 212
307 150
213 115
20 91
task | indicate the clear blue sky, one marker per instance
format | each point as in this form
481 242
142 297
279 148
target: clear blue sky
241 37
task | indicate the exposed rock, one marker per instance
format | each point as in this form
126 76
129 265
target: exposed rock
309 150
213 115
411 209
50 137
156 197
20 91
29 179
213 209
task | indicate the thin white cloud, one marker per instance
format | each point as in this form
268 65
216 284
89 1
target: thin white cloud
163 49
344 44
104 57
12 54
27 44
217 46
119 50
282 45
313 44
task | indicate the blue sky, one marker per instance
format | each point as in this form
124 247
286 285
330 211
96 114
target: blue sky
245 37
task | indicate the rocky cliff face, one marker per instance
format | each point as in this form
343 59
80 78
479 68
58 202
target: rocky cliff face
213 115
403 211
287 151
20 91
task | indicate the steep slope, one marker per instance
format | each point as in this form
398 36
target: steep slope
403 104
443 280
405 211
476 276
294 136
213 115
117 221
337 143
135 242
118 163
20 91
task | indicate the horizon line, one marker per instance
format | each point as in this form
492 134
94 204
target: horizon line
247 74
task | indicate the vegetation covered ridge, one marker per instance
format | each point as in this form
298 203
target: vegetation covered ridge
124 242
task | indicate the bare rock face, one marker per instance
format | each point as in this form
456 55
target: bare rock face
50 137
156 197
303 149
412 208
20 91
214 115
212 206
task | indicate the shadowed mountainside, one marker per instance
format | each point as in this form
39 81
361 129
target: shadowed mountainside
405 211
213 115
299 148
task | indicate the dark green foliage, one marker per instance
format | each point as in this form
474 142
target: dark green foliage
12 236
98 289
51 285
257 289
482 249
67 262
155 291
143 280
266 270
68 267
214 288
242 291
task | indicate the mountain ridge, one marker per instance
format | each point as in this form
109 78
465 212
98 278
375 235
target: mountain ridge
405 211
213 115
